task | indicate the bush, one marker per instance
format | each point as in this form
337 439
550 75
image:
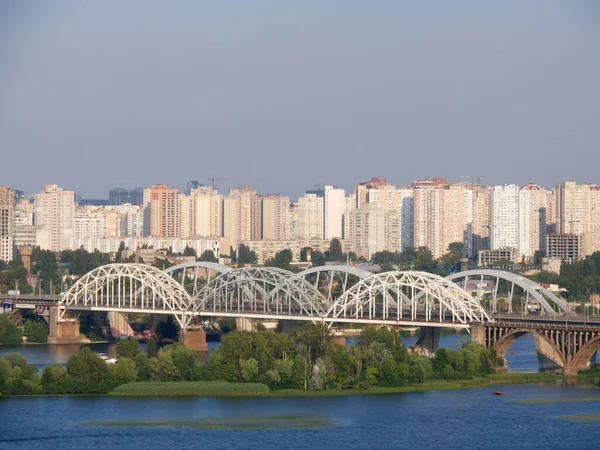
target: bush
36 331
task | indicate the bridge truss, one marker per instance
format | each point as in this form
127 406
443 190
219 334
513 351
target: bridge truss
506 293
409 298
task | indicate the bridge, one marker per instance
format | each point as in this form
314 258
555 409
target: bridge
498 307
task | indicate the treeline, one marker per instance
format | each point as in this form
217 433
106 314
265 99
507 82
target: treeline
307 359
36 330
580 278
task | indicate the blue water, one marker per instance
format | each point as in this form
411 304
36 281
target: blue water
471 418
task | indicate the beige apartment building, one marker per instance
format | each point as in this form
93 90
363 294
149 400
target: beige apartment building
208 211
54 211
7 213
577 213
241 216
311 217
372 230
275 217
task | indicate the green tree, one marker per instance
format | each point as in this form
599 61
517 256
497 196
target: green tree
47 269
335 251
123 371
305 254
10 334
318 258
209 256
282 259
313 341
151 348
128 348
36 331
249 368
88 371
246 256
189 251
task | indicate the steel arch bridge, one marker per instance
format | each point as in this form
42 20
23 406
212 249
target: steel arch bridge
533 294
418 297
192 270
128 288
326 277
394 298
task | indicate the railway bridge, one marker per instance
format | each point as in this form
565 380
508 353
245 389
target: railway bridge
496 307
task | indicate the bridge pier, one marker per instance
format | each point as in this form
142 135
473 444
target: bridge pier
478 333
194 338
429 339
119 324
548 357
65 332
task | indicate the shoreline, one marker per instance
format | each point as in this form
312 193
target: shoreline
434 385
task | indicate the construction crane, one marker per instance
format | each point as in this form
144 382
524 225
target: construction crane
469 177
213 179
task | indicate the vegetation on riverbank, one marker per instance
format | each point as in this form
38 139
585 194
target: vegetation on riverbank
306 361
190 388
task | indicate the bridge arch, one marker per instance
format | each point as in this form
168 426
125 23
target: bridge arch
128 288
409 296
181 271
550 304
507 340
584 357
314 275
259 292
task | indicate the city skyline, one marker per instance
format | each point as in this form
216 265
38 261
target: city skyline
255 98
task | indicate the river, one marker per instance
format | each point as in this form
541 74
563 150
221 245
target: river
470 418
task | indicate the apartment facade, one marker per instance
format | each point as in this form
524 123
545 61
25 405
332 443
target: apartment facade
7 215
54 213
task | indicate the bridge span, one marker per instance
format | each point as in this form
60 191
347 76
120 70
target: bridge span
498 307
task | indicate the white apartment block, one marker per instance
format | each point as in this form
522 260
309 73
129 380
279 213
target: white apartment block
241 215
7 212
89 223
111 245
54 211
275 220
311 217
371 230
208 207
335 208
505 217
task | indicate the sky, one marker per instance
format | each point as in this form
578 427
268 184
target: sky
284 96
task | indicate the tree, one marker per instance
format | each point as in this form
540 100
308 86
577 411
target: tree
151 348
424 260
318 258
313 340
305 254
246 256
87 368
189 251
47 269
10 334
335 251
36 331
128 348
282 259
123 371
208 255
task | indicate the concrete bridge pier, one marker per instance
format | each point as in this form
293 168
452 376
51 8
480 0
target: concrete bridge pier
549 359
429 339
194 338
119 324
62 332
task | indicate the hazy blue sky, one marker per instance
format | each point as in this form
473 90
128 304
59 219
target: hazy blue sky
284 95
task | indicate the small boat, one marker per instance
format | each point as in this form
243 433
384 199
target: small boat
498 393
512 352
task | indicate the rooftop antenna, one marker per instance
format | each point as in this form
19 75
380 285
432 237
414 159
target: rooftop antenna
477 178
213 179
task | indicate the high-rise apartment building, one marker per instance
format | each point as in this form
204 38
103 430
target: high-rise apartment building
505 210
7 214
480 227
575 213
533 219
311 217
372 229
208 208
428 201
90 223
54 211
162 211
186 217
241 215
24 228
293 214
335 208
275 217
